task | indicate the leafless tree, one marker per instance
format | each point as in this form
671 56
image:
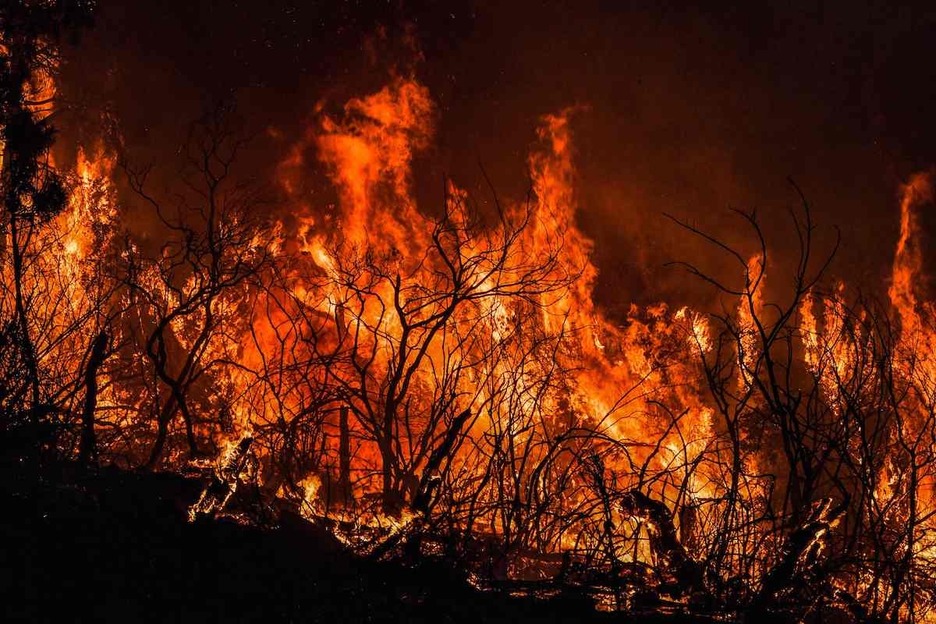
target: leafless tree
411 332
193 286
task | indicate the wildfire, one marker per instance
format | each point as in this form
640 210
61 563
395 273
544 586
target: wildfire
388 368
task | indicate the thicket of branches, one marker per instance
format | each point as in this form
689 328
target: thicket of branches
767 465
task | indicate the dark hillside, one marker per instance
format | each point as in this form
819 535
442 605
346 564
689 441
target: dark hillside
117 547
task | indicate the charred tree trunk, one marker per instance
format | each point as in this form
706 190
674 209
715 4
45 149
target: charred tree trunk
162 431
87 450
344 457
428 483
391 498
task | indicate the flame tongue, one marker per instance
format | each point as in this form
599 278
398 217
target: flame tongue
368 153
381 253
908 259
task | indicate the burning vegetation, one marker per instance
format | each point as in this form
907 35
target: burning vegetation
436 381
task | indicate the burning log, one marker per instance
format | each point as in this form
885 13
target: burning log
799 570
223 483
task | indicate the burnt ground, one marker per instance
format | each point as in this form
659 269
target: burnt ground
116 547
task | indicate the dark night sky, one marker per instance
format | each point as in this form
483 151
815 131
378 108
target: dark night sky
690 111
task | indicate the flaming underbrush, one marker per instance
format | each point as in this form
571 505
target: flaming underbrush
438 380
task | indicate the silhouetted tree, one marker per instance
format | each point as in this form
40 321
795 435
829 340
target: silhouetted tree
190 294
32 191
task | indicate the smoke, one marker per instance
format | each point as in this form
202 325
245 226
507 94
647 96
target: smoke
690 112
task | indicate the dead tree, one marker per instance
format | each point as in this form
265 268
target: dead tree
189 281
756 382
407 336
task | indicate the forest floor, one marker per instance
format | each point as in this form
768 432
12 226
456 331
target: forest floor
116 546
